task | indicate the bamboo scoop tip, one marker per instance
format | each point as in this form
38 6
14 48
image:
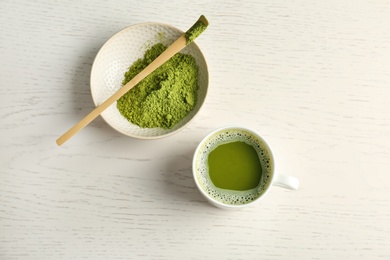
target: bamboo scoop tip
203 19
196 29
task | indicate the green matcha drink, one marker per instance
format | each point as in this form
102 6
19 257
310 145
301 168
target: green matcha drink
233 166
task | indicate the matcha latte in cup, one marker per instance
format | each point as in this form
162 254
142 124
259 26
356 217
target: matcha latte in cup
233 167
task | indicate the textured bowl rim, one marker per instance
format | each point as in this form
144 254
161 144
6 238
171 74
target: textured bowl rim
107 42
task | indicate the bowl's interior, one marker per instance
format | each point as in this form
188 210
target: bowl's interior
118 54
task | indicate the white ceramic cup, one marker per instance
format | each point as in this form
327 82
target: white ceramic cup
229 199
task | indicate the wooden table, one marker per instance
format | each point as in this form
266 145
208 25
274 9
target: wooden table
313 77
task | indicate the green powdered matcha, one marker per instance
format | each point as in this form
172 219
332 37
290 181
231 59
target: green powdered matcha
165 96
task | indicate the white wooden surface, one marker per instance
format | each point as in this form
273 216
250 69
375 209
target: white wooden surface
313 77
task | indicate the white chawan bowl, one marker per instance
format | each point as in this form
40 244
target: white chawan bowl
119 53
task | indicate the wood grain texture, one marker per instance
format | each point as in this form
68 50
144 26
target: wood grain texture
312 77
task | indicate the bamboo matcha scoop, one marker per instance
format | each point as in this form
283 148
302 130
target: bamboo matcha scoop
184 40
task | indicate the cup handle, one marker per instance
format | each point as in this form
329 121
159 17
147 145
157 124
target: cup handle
284 181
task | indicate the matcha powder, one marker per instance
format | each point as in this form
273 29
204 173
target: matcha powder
165 96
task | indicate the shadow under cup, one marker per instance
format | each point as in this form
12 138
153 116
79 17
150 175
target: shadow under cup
230 198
